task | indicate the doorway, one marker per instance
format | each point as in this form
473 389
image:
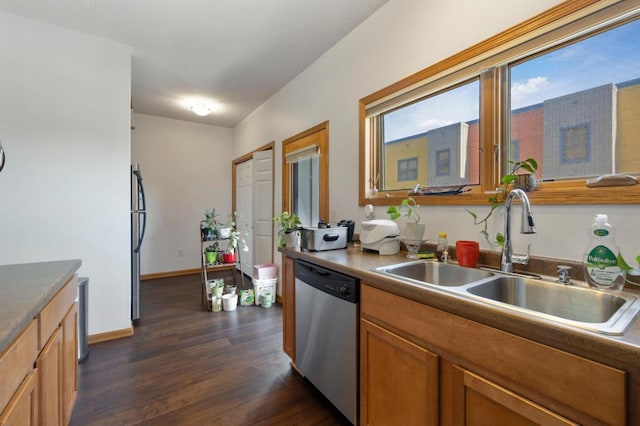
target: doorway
253 204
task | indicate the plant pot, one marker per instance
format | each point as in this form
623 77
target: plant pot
211 257
217 291
229 258
291 239
413 231
526 182
224 232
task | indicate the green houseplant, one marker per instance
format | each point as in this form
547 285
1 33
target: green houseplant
209 225
211 253
288 224
409 209
230 252
530 165
216 287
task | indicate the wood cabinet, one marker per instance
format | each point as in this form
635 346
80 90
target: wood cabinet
49 365
476 399
288 307
481 372
69 361
39 370
398 380
18 397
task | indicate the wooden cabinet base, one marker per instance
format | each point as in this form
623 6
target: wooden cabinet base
484 371
46 394
398 380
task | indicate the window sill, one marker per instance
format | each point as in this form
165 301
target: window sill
546 194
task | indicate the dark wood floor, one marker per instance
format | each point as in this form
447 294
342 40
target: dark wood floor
185 366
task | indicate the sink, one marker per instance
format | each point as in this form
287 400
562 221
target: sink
605 312
434 273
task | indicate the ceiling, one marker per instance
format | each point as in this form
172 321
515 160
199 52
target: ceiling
236 53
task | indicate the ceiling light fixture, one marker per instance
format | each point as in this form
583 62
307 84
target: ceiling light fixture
202 109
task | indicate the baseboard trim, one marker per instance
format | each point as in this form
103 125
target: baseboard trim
170 274
110 335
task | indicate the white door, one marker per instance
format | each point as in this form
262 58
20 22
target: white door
244 214
262 207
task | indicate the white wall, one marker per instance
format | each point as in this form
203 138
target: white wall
186 168
403 37
64 124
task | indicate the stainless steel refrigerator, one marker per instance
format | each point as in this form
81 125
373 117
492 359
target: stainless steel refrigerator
138 225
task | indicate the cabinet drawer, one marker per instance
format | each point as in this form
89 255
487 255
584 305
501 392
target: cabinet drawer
17 362
51 315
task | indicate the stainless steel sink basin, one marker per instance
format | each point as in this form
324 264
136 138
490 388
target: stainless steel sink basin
439 274
580 307
605 312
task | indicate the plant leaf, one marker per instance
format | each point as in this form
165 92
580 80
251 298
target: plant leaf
507 179
475 216
622 264
528 168
532 163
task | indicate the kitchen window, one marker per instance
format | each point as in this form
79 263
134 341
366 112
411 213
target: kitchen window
305 174
568 96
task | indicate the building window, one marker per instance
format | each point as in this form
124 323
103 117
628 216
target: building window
408 169
443 163
575 144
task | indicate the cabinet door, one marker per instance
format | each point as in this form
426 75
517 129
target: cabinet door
478 401
399 380
22 410
288 307
49 365
69 361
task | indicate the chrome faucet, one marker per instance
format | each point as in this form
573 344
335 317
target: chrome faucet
526 227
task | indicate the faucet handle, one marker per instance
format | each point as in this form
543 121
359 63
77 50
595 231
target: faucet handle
522 259
564 274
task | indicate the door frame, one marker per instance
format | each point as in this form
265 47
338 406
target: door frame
299 141
246 157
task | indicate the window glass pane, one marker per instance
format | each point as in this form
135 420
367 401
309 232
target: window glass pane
306 190
408 169
576 110
448 121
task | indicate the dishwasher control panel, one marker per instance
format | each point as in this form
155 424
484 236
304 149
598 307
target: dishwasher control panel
334 283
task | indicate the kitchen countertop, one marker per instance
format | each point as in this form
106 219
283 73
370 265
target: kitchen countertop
617 351
26 288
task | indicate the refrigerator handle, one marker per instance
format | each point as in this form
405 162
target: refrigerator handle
2 157
144 227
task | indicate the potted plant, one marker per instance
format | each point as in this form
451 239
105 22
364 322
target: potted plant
225 229
211 253
413 230
530 165
288 232
209 225
525 181
230 252
216 286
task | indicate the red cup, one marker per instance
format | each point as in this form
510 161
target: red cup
467 253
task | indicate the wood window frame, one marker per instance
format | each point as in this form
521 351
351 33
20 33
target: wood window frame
318 135
567 18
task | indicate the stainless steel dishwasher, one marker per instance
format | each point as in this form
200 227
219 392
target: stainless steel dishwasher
327 334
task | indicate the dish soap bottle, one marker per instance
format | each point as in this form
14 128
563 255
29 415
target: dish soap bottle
442 249
600 262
